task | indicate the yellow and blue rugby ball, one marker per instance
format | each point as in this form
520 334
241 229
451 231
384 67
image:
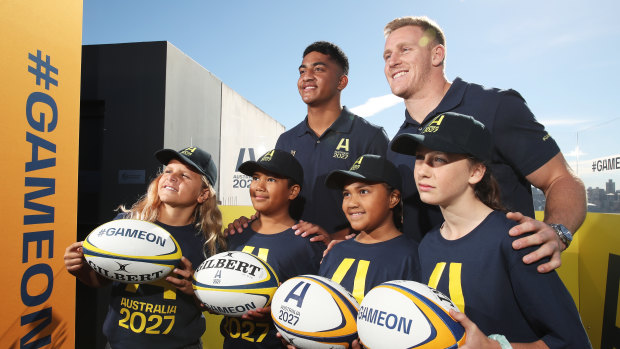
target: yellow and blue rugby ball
312 311
131 251
234 282
408 314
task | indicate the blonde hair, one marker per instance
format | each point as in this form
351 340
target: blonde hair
207 217
431 29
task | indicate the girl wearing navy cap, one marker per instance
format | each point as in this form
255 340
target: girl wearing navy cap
380 252
372 204
470 258
182 200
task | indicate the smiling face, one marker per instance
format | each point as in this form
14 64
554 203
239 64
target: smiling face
445 179
271 194
320 79
180 186
368 207
409 59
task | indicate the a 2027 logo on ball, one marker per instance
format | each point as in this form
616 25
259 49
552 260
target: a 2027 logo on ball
314 312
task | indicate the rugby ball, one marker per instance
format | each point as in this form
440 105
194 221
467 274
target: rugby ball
411 315
231 283
131 251
312 311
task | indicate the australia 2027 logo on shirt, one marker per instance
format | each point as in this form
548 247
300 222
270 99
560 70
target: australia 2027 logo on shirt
342 150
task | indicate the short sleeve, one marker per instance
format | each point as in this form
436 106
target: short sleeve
520 139
379 143
280 143
545 302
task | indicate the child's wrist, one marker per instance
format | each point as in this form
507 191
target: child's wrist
501 339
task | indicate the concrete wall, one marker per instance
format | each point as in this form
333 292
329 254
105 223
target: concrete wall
193 103
247 133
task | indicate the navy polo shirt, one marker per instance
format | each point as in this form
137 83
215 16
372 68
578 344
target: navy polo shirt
521 146
348 138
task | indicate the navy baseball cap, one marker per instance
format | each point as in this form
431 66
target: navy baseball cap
278 162
367 168
451 133
193 156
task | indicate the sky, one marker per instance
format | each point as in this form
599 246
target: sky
562 56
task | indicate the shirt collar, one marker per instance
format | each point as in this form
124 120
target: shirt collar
343 124
451 100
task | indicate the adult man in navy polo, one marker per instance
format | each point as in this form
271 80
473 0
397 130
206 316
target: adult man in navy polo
523 155
329 138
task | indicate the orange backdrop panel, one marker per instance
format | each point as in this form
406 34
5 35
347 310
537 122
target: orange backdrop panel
41 56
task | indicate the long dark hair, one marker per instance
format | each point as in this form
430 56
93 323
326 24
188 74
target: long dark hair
397 211
487 190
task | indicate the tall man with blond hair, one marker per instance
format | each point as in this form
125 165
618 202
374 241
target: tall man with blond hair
523 155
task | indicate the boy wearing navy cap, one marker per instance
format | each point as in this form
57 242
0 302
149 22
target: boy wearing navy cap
276 182
372 204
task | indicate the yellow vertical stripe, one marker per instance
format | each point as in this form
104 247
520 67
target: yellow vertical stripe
342 270
359 283
133 288
455 287
170 291
262 254
433 281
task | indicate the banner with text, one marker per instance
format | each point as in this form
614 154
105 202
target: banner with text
41 55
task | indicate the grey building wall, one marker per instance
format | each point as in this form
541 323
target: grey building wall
193 105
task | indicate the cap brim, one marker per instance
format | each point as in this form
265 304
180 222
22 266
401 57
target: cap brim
248 168
408 143
165 155
336 179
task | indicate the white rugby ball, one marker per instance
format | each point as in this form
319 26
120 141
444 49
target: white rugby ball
312 311
131 251
231 283
407 314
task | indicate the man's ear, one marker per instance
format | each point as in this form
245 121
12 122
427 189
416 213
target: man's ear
438 55
343 82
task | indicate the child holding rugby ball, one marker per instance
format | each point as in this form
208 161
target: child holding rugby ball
470 258
276 182
181 200
372 204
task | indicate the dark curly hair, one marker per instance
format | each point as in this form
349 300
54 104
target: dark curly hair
331 50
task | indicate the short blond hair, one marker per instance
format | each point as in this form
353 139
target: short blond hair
431 29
